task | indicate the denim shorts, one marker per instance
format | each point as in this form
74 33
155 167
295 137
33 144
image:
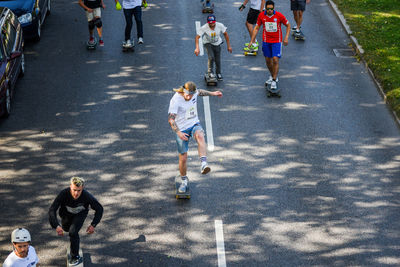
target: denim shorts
183 146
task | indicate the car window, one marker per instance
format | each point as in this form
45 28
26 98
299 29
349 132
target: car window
9 33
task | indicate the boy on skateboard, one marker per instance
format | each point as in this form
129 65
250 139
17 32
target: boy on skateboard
256 6
73 205
23 253
93 15
298 7
183 119
211 33
132 8
272 40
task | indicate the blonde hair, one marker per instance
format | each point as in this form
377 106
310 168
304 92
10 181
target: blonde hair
78 181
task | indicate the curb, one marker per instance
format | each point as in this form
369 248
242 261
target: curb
360 53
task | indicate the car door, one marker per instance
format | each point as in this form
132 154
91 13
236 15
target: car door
8 33
43 9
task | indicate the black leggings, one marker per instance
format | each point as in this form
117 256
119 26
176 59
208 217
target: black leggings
72 225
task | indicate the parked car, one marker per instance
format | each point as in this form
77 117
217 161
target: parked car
12 60
31 14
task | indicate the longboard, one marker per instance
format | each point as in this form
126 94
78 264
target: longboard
128 49
210 80
298 37
208 9
68 257
91 46
273 93
179 195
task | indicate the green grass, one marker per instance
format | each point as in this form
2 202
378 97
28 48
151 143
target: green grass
376 25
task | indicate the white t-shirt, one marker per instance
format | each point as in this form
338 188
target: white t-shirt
212 36
14 261
255 4
128 4
186 111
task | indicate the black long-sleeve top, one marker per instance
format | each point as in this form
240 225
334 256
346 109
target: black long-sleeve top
69 206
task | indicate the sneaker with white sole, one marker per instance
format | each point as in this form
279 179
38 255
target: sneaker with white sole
74 261
205 168
269 81
273 85
182 188
219 77
140 41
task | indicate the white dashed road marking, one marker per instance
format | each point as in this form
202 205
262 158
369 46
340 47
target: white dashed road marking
219 237
209 130
200 40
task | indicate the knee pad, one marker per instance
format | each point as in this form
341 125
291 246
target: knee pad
97 22
91 25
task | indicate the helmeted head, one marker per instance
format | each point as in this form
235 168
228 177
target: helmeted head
187 90
20 235
21 238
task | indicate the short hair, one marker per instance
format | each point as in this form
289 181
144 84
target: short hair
78 181
269 2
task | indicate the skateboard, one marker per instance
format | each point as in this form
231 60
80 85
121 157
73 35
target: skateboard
68 257
248 51
128 48
208 8
92 46
272 93
178 194
210 79
299 36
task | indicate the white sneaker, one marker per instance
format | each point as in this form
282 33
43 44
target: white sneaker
269 81
273 85
183 186
140 41
205 168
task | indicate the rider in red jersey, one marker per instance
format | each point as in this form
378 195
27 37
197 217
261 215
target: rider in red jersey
272 39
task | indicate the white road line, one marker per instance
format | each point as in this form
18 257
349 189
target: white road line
209 130
200 40
219 237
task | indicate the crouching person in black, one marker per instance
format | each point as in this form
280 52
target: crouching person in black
73 204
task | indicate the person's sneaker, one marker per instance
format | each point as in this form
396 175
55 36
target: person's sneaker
219 77
140 41
91 40
75 260
273 85
101 42
183 186
211 75
294 28
205 168
269 81
127 43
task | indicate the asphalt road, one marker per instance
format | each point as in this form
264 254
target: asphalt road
310 179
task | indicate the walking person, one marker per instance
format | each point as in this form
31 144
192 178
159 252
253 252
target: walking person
93 15
23 253
73 204
211 33
132 8
256 6
184 121
298 7
272 39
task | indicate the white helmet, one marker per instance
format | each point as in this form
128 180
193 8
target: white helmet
20 235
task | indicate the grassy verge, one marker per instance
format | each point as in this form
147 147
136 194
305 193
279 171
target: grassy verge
376 25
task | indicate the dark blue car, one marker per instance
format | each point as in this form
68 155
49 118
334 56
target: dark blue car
31 14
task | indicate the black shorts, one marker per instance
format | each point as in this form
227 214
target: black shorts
252 16
298 5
